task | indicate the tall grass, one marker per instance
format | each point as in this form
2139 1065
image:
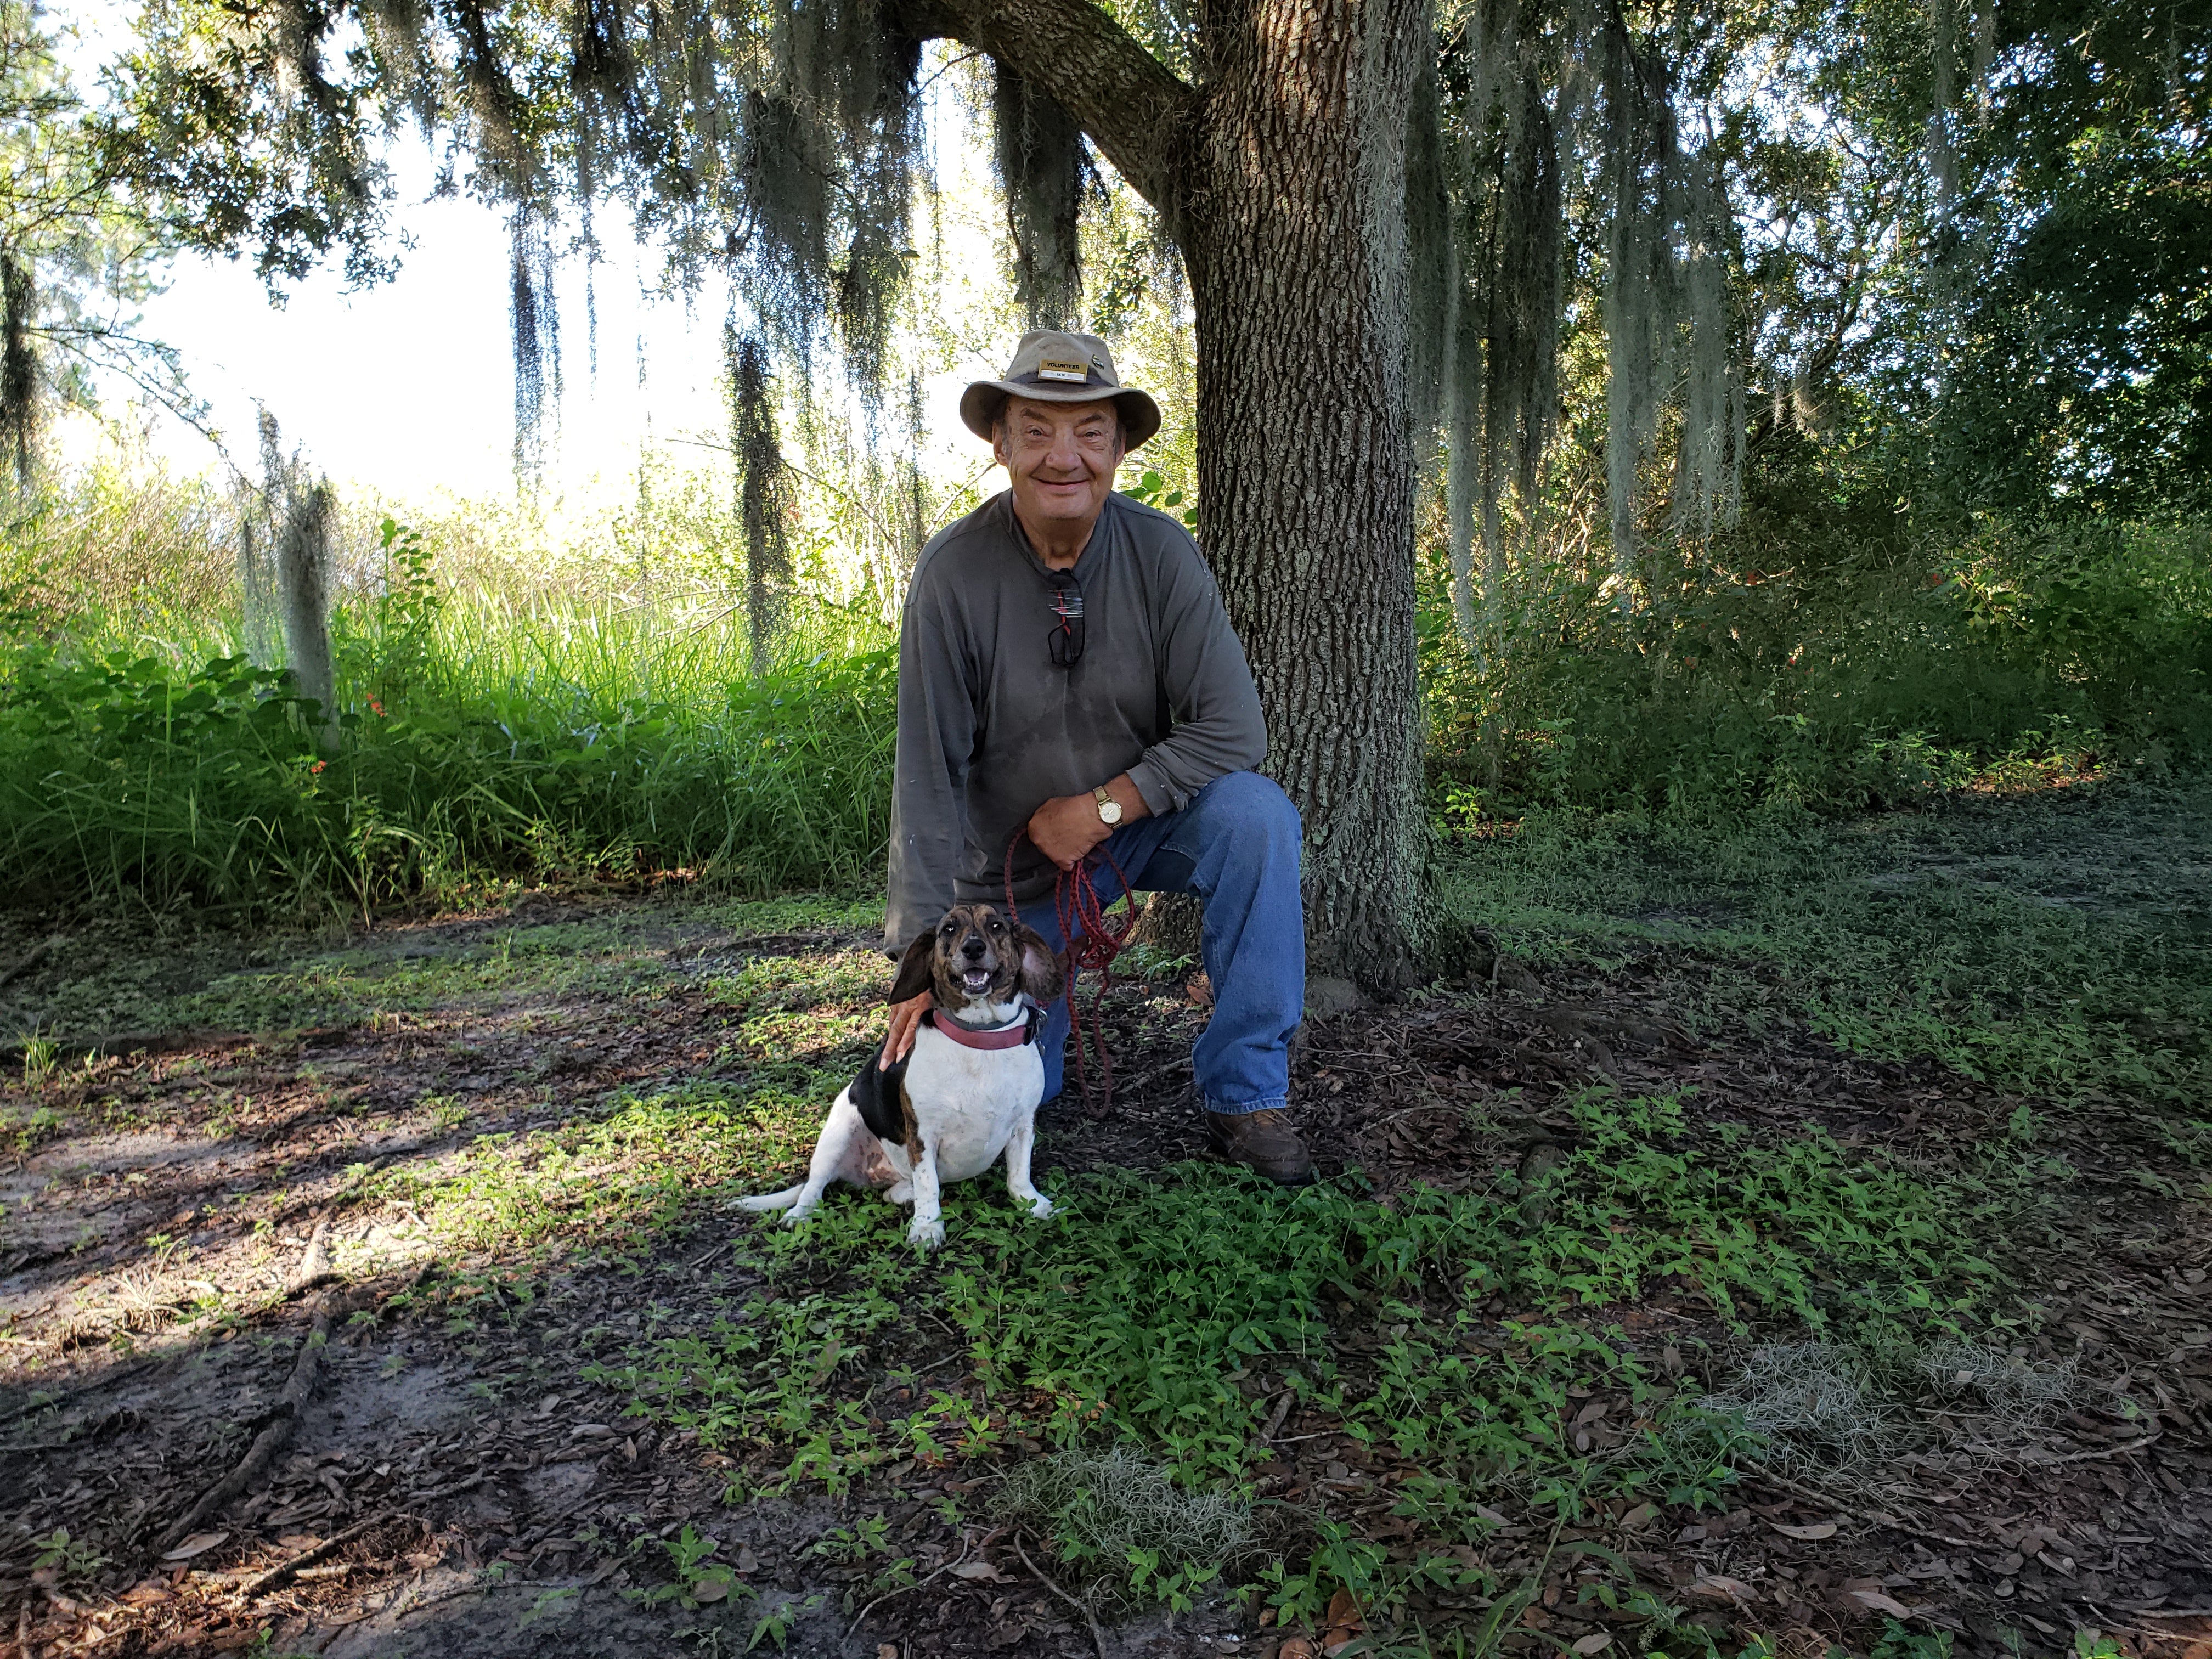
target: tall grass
597 719
482 740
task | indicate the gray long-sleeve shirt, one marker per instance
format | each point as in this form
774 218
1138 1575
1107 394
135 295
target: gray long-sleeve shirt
990 728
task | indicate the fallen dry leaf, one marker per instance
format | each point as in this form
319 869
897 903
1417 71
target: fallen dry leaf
1875 1601
198 1544
1716 1588
982 1569
1345 1625
1818 1529
1596 1642
1296 1646
1641 1516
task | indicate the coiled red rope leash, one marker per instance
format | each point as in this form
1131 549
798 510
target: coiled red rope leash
1092 941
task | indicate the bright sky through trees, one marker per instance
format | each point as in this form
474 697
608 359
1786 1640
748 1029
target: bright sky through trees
408 386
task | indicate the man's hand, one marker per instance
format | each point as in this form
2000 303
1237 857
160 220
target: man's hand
1066 827
906 1019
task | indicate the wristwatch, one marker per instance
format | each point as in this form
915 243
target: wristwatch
1109 810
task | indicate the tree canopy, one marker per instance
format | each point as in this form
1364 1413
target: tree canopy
1977 234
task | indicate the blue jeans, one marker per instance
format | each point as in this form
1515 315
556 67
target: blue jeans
1236 846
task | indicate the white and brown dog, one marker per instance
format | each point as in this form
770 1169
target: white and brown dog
966 1092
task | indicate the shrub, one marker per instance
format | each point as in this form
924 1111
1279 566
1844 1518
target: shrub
1859 679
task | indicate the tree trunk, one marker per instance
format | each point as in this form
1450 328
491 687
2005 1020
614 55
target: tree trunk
1299 271
1283 179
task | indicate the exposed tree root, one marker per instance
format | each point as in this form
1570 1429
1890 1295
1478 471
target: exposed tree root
299 1389
1097 1636
284 1571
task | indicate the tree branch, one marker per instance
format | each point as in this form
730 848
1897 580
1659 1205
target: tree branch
1128 103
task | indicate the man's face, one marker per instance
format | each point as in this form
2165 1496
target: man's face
1060 457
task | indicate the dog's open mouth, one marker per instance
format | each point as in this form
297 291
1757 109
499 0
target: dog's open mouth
975 981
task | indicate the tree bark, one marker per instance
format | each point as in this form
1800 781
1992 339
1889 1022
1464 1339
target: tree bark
1299 271
1283 181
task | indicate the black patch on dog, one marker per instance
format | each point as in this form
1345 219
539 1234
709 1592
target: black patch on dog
916 969
877 1094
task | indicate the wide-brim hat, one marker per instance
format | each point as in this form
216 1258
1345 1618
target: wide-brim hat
1051 366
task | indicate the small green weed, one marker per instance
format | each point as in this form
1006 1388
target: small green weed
856 1543
23 1135
71 1560
1114 1515
774 1625
40 1055
699 1580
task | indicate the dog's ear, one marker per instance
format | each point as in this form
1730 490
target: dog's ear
917 969
1040 974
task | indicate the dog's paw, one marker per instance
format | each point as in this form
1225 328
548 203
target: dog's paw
796 1217
1040 1207
900 1192
926 1235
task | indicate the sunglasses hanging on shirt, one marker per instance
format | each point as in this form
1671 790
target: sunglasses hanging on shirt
1066 640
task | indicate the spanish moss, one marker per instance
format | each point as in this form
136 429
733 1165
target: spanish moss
19 363
1041 166
762 490
1544 106
1942 153
1495 319
535 315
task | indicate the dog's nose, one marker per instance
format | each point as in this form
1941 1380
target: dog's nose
972 947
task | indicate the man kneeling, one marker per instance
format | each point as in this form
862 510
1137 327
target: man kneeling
1066 670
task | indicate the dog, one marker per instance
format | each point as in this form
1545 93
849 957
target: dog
966 1092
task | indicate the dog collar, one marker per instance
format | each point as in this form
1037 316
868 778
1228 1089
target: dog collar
1022 1032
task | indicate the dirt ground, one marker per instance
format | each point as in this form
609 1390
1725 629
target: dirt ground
187 1201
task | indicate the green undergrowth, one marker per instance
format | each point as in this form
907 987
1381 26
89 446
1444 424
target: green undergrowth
1174 1312
1853 671
468 750
2059 945
1177 1316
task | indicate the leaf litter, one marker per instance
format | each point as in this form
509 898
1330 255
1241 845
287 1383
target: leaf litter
2024 1478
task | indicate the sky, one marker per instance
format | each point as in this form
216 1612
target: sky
407 388
410 385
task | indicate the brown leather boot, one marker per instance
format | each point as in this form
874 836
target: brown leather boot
1264 1143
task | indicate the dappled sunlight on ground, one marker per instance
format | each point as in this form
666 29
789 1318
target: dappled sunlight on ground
1686 1115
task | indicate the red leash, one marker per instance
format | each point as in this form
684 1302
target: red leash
1092 942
